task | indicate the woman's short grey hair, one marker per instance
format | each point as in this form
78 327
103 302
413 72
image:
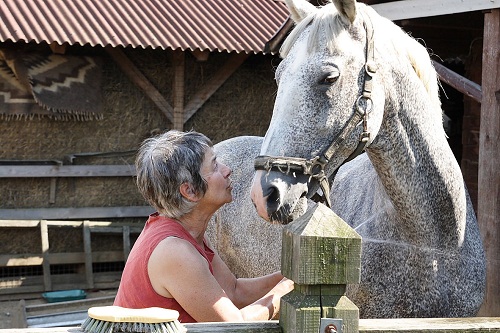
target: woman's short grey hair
165 162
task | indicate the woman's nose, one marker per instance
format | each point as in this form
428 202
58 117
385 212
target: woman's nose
227 171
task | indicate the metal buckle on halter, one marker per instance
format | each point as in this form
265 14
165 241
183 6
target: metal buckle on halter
315 166
371 67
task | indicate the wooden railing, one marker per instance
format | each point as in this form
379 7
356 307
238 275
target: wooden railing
318 299
55 170
411 325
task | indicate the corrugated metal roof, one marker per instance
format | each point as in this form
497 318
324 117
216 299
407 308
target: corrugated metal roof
214 25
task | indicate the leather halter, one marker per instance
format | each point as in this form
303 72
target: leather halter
315 167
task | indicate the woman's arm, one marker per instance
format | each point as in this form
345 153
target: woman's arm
243 291
177 270
268 306
250 294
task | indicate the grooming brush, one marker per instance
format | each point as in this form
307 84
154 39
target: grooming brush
114 319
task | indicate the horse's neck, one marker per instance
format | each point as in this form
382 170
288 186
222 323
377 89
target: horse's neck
421 176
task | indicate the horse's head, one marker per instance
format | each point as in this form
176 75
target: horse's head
327 106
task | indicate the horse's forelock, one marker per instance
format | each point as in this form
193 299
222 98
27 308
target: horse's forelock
324 20
294 35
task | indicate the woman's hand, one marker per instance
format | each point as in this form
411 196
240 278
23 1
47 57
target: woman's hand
282 288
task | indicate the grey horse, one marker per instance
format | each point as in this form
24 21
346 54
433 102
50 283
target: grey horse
351 80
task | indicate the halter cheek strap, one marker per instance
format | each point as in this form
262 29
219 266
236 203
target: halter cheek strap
315 167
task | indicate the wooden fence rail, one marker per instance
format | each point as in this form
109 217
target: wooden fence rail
74 213
44 171
410 325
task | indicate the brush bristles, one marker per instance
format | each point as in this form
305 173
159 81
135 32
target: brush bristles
92 325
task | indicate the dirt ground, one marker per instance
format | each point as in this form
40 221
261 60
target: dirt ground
7 311
10 310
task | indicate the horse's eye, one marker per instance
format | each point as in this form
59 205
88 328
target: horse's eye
330 78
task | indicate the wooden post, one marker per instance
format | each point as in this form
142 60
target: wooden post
321 254
44 234
488 211
126 242
179 61
87 247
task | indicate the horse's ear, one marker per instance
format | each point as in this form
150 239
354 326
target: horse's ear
346 9
299 9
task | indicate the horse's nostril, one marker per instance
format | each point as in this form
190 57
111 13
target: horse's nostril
273 194
273 199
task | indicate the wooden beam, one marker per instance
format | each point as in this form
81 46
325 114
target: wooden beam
430 325
44 234
400 10
460 83
75 213
19 223
95 226
136 76
30 259
273 45
488 211
34 284
403 325
213 84
87 247
179 64
200 56
44 308
126 241
29 171
58 49
52 191
271 326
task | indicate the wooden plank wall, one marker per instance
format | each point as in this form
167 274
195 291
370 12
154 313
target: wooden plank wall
489 158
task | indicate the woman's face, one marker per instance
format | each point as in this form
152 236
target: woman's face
219 184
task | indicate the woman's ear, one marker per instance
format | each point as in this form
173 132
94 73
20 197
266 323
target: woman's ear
188 192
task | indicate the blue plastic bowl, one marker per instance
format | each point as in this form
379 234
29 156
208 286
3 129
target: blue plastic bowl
64 295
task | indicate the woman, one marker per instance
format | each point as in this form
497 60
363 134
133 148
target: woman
171 264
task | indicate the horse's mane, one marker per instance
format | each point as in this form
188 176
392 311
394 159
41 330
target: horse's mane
401 43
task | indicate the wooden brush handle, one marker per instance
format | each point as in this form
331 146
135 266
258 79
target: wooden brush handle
118 314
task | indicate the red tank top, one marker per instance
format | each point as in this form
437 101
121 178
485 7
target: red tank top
135 290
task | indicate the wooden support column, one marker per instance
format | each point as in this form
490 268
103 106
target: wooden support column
179 62
87 247
44 234
126 242
489 157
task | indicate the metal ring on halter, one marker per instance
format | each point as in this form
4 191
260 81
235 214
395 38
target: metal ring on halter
314 166
369 104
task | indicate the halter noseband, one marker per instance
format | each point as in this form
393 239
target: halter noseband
315 167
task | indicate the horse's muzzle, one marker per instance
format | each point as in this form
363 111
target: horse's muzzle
278 197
